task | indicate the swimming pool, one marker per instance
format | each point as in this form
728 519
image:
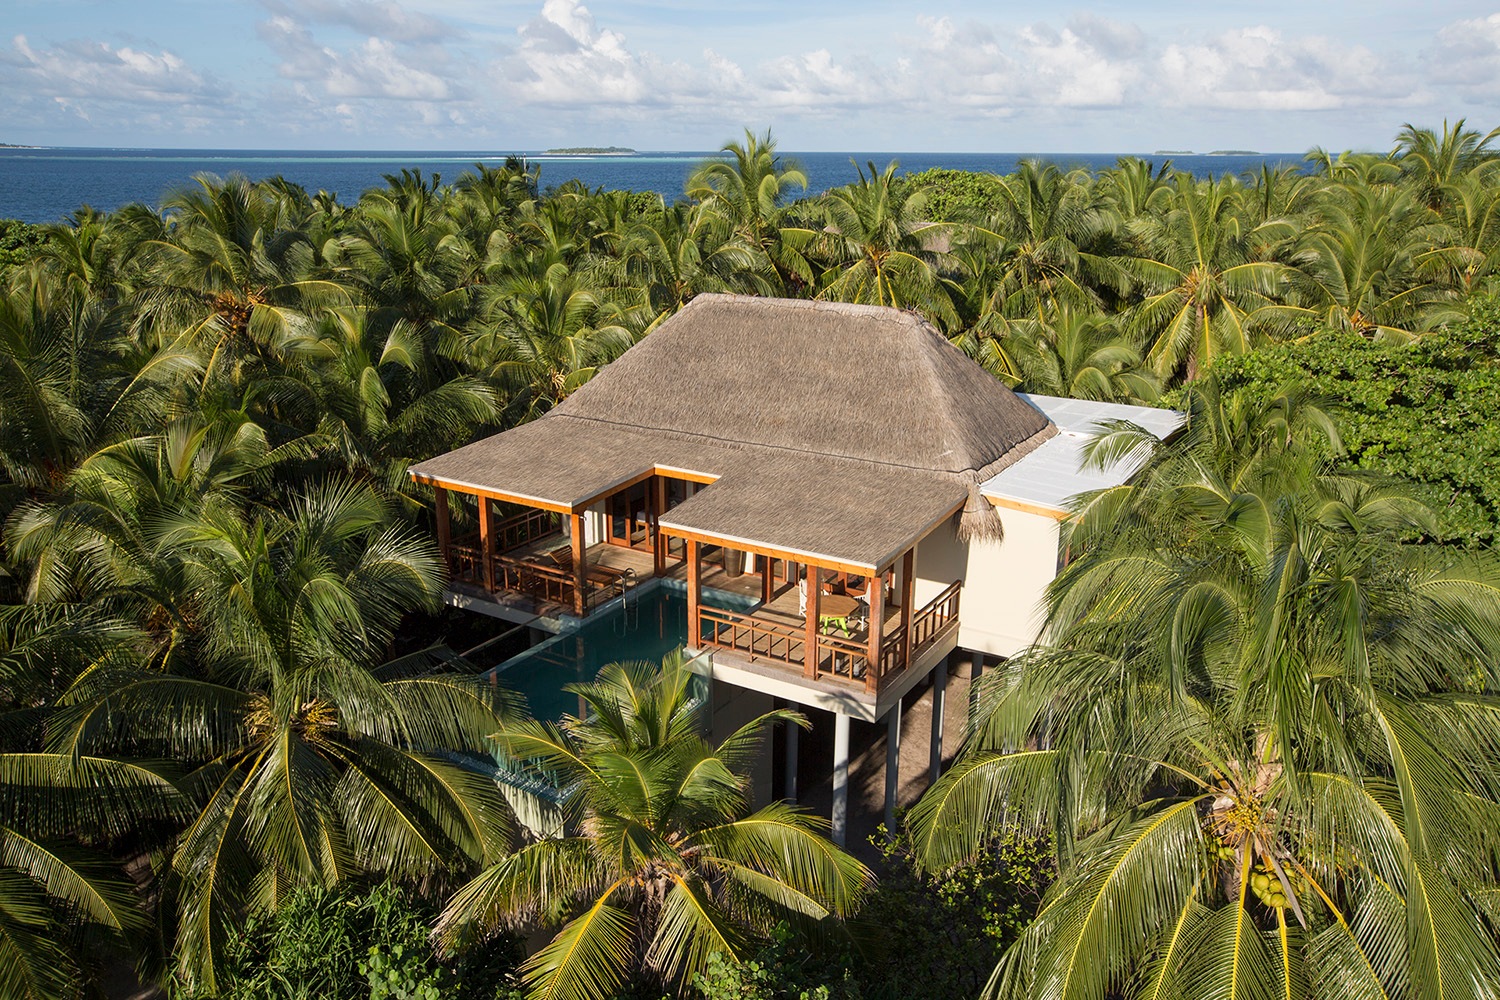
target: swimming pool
650 624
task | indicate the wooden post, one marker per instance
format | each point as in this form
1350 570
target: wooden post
877 632
694 594
765 579
658 508
486 544
580 564
442 526
908 595
814 577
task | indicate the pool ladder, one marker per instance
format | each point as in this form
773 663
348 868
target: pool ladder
629 618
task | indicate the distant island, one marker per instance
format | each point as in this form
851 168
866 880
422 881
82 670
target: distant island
1173 152
17 145
1234 152
591 151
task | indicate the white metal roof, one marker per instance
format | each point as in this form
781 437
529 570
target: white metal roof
1054 473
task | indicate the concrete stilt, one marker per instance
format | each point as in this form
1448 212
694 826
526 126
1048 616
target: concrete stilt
892 766
793 734
939 698
840 818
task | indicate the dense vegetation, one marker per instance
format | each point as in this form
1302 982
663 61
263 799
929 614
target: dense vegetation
222 665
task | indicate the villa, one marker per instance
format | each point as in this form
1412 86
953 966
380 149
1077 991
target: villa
844 497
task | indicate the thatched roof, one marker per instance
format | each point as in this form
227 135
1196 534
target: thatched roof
833 430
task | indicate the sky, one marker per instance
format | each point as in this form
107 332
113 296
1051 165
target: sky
473 75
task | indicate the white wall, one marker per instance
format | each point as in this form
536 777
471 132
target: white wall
1002 607
1000 610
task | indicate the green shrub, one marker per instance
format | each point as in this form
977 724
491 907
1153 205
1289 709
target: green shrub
778 972
939 936
1424 411
345 944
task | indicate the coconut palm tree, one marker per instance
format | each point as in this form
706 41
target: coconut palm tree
1081 354
1201 280
1257 733
686 252
749 194
546 333
305 762
662 862
1043 238
1433 162
1358 268
880 249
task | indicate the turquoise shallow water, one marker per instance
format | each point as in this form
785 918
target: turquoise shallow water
652 625
45 185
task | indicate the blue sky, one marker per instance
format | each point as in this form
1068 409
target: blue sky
1104 76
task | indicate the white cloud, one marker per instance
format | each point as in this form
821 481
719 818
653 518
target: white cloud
1466 55
373 68
93 72
375 18
1259 68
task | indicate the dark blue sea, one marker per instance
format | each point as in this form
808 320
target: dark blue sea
45 185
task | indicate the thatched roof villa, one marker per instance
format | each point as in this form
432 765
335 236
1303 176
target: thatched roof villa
843 467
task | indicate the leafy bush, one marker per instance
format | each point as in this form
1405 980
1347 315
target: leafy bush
778 972
332 944
958 195
1424 411
17 241
939 936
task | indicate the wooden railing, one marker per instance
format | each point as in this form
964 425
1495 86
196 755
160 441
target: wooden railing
757 638
543 583
843 657
527 526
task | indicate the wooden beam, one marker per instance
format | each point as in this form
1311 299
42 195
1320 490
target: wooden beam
814 577
580 565
1028 508
694 595
760 549
519 499
658 541
442 526
487 544
908 594
876 591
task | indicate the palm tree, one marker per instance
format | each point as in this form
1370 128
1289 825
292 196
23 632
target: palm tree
1358 268
1201 279
305 763
1042 238
546 334
662 862
750 193
1257 733
880 249
1433 163
1083 355
685 253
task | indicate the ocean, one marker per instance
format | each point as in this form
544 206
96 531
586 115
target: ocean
47 185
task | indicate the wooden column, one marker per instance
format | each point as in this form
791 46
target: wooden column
694 594
442 526
659 507
876 591
486 544
765 579
908 595
814 577
580 564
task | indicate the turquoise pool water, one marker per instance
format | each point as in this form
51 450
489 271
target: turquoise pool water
648 627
